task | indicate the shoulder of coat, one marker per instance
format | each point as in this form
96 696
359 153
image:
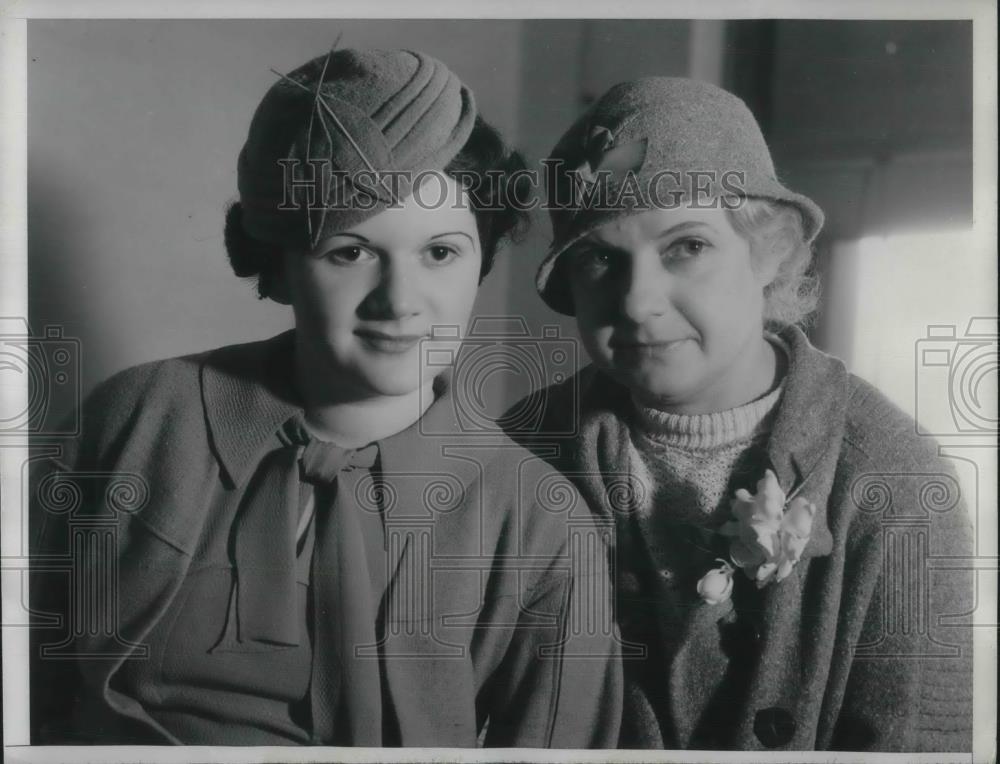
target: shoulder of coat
881 434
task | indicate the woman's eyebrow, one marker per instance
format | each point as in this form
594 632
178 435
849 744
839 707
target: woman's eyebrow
590 241
452 233
683 226
339 234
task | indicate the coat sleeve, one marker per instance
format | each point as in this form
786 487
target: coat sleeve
910 681
560 682
61 494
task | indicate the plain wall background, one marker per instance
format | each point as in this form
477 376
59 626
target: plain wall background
134 128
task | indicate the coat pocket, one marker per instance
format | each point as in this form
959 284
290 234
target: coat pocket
197 649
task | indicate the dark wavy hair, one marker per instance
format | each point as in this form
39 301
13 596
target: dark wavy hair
498 220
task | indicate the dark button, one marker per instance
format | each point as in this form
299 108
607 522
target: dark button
774 727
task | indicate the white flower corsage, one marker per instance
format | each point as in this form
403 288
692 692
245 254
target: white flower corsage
716 586
768 535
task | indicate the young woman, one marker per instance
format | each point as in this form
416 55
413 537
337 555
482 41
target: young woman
314 552
773 577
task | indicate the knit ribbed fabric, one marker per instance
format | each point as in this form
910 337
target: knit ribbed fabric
688 461
705 432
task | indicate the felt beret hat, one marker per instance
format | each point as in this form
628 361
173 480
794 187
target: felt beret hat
324 133
653 142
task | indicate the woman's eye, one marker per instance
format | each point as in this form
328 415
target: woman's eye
688 247
349 255
440 254
592 262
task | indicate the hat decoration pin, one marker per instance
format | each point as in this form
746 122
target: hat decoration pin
602 156
319 107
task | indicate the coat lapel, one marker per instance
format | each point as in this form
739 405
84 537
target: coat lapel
808 430
424 495
422 662
802 449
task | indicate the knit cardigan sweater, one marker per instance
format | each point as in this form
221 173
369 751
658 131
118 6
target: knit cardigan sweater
862 647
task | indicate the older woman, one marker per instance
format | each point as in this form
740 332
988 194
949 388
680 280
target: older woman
773 558
316 553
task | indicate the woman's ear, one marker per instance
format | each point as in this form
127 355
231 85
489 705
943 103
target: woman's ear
772 251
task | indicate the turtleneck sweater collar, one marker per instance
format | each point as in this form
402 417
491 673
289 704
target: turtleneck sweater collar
707 431
713 430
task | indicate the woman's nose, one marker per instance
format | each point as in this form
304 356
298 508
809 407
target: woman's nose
645 291
397 293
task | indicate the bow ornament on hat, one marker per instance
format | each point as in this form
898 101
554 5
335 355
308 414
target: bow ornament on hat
601 155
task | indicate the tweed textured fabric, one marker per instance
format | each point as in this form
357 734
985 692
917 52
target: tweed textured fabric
688 460
831 658
659 140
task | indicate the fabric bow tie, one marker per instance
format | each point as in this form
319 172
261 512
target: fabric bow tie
346 691
297 486
321 462
262 615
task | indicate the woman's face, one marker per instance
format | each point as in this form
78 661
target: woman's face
669 303
366 298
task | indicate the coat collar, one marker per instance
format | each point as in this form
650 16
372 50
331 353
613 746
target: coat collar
247 393
807 430
810 416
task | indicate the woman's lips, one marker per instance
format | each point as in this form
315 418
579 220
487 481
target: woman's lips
387 343
634 351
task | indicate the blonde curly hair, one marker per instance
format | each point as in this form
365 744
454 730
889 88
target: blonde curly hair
776 230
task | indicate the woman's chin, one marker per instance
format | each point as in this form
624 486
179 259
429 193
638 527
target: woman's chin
394 386
653 382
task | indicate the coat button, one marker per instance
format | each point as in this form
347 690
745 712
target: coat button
774 727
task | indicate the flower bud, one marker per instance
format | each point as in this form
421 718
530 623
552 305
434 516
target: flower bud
716 586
